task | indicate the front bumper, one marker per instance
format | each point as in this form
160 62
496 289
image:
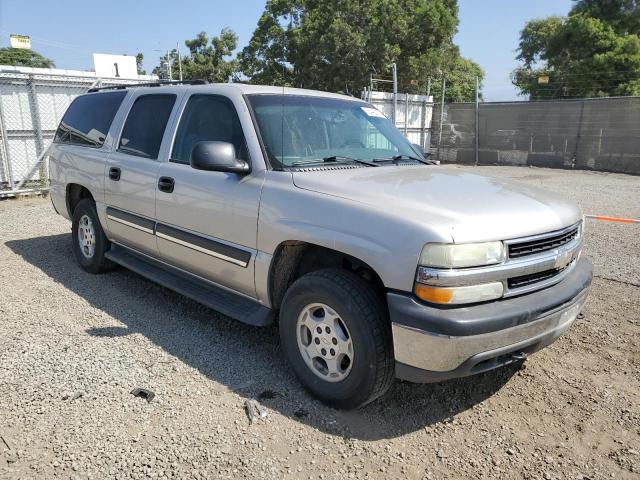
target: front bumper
437 343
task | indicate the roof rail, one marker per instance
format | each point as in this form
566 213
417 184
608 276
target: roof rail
198 81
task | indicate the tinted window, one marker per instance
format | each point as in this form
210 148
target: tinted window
208 118
143 131
88 119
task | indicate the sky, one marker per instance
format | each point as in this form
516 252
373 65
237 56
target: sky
70 31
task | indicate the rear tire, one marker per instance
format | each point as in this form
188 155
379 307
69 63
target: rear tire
88 239
336 335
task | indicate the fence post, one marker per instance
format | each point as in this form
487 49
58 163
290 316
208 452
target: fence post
35 120
578 136
394 71
477 119
444 87
424 138
6 160
406 113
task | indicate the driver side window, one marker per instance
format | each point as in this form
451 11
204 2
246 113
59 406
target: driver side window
208 118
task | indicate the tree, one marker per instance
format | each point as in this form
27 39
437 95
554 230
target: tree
593 52
24 58
206 60
622 15
335 45
139 60
162 70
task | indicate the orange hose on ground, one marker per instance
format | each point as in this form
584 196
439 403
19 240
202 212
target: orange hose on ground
613 219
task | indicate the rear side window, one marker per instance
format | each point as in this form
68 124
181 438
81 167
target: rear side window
143 131
208 118
88 119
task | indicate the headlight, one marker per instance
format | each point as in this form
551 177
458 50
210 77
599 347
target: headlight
442 255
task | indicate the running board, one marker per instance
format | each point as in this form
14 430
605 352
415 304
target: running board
226 302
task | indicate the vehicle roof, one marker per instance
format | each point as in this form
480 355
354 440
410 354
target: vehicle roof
243 88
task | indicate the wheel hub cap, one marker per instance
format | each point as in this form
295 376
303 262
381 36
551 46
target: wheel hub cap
86 236
324 342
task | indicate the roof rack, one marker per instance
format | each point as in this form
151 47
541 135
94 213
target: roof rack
198 81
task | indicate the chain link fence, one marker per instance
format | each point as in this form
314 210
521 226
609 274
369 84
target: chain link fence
32 102
599 134
595 134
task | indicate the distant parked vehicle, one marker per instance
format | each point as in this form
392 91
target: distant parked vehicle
312 209
457 135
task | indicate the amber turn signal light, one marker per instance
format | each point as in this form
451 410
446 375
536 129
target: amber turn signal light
433 294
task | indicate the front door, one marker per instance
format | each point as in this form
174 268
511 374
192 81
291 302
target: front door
132 172
207 224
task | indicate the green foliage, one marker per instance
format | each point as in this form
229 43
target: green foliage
139 60
335 45
206 60
24 58
622 15
593 52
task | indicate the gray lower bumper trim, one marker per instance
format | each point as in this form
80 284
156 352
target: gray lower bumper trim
442 353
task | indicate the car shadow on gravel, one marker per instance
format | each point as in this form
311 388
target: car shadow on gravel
241 358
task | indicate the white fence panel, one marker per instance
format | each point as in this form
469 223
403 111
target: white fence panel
32 102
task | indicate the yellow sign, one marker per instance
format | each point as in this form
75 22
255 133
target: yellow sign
543 79
20 41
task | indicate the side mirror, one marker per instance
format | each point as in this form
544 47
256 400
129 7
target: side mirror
420 149
217 157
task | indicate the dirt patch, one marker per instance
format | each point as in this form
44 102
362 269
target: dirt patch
73 347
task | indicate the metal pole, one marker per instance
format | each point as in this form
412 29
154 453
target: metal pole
6 160
394 71
179 59
444 87
169 64
37 126
425 137
477 125
406 113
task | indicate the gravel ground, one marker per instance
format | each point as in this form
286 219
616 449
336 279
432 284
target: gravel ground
73 346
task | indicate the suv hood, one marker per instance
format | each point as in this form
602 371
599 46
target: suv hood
466 206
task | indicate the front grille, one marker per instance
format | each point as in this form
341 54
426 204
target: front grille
544 244
524 280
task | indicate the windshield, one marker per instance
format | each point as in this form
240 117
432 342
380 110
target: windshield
297 130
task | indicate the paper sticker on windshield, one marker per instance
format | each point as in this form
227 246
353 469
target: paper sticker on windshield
372 112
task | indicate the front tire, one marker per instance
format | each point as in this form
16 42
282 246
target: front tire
88 238
336 335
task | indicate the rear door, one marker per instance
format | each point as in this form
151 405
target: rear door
81 146
132 170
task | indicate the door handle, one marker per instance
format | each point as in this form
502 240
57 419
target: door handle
114 173
166 184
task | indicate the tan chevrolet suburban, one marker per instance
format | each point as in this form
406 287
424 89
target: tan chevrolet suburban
312 211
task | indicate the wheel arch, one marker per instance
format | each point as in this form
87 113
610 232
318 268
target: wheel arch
294 258
74 193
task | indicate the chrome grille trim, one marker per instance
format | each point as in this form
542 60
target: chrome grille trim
535 244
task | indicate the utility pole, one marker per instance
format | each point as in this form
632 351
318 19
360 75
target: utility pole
179 59
169 64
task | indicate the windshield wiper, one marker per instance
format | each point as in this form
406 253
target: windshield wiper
336 158
397 158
